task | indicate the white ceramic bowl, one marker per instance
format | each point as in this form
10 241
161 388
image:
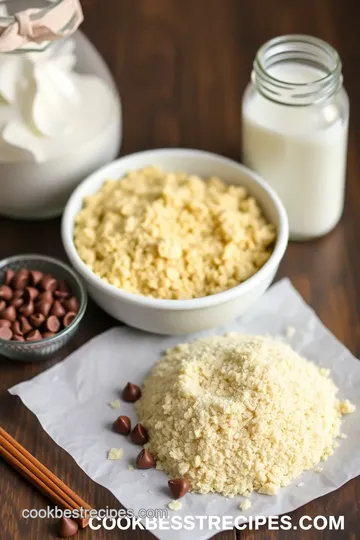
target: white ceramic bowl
32 190
179 316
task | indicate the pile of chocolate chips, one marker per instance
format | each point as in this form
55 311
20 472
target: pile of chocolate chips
34 305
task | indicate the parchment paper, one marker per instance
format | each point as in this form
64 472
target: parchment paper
77 392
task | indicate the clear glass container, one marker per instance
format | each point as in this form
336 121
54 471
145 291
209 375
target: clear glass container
60 119
295 115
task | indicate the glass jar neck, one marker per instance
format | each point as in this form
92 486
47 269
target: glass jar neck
297 70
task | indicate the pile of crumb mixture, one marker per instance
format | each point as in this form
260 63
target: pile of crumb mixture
171 235
238 413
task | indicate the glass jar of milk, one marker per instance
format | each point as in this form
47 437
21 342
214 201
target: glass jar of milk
295 116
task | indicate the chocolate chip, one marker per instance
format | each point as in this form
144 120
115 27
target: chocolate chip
30 293
32 304
17 302
61 295
71 304
57 309
145 460
68 319
8 313
178 487
5 333
27 309
48 334
46 296
67 527
36 320
131 392
43 307
63 286
139 435
25 325
5 292
9 274
52 324
35 277
16 328
18 338
34 335
20 279
48 283
122 425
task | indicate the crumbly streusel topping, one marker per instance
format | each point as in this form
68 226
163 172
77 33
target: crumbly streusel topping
171 235
239 413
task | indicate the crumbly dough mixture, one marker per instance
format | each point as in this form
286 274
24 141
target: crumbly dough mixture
175 505
239 413
245 505
115 404
171 235
115 453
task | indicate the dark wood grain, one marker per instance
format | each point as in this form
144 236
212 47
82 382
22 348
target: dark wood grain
181 67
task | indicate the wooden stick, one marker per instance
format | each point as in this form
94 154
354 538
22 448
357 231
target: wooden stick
34 480
40 476
36 477
78 500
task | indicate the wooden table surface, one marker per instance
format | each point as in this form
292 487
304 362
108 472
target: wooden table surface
181 67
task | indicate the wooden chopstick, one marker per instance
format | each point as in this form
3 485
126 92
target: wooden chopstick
38 479
35 481
78 500
41 477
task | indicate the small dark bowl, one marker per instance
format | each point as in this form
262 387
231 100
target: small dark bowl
25 351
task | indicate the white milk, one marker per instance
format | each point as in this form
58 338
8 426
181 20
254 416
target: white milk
299 150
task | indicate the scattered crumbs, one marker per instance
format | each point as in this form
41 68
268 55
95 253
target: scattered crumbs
149 491
290 332
346 407
318 469
342 436
245 505
131 468
300 484
115 453
246 494
175 505
144 475
115 404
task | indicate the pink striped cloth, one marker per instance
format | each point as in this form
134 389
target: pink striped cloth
39 25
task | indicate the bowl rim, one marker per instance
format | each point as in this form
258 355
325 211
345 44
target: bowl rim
64 266
169 304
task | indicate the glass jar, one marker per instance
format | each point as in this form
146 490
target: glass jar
295 115
60 118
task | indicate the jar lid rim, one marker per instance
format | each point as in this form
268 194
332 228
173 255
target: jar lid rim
304 49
